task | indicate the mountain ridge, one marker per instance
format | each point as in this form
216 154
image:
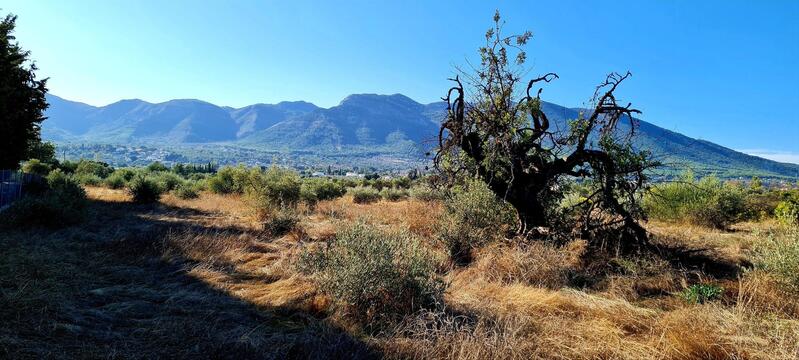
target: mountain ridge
393 124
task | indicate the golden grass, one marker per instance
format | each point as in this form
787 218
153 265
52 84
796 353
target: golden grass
198 278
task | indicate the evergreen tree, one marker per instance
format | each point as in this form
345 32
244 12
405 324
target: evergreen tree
22 99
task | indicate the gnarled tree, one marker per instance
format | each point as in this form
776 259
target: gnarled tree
497 131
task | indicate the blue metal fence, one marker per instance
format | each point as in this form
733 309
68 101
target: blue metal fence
13 185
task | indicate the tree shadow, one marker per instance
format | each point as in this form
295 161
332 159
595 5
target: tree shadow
701 259
107 292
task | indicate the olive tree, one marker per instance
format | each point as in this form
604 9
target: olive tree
496 131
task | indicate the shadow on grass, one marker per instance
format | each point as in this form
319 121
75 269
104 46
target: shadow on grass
702 259
101 289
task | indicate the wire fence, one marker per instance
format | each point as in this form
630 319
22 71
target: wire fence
13 185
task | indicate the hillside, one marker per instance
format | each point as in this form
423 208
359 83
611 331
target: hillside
363 127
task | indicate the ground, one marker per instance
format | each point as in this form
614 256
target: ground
198 278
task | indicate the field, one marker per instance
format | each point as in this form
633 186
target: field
199 278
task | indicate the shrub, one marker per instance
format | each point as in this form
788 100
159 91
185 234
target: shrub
276 189
68 167
64 203
96 168
375 275
364 194
702 293
187 190
787 213
229 180
125 173
88 179
393 194
425 193
276 186
473 217
144 189
168 181
708 202
157 166
34 166
308 195
281 222
325 189
115 181
778 253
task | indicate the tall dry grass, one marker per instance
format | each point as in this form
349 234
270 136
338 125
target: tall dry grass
206 282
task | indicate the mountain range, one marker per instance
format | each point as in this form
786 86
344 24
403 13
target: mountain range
389 125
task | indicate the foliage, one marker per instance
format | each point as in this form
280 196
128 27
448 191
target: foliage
64 203
473 217
787 212
115 181
377 276
778 253
364 194
281 221
87 179
34 166
22 100
44 151
157 166
119 178
276 187
324 189
229 180
96 168
187 190
168 181
308 196
393 194
425 192
144 189
68 167
708 202
501 135
702 293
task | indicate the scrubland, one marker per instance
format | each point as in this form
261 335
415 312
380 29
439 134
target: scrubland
188 277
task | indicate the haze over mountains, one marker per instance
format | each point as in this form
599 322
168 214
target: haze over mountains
362 123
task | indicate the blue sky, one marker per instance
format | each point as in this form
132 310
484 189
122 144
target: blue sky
724 71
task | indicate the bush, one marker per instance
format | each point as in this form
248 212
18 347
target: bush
187 190
308 195
157 166
778 253
425 193
34 166
709 202
702 293
229 180
473 217
276 189
168 181
96 168
281 222
115 181
325 189
144 189
88 179
364 194
787 213
64 203
393 194
376 276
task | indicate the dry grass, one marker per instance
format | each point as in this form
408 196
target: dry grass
197 278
